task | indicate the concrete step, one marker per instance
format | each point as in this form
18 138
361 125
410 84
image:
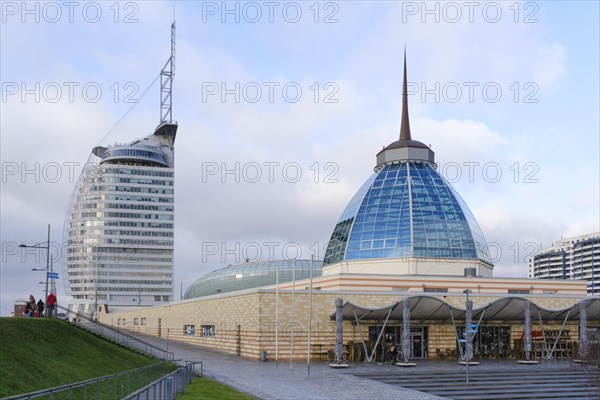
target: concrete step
541 383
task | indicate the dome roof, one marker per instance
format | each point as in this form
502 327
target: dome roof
250 275
398 144
406 209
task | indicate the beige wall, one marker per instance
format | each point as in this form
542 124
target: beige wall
245 323
408 266
454 284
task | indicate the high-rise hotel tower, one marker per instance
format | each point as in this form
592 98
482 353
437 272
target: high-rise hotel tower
119 229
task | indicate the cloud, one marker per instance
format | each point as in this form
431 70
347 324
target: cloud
362 55
549 67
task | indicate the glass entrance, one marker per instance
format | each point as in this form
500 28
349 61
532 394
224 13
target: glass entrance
489 341
393 335
416 342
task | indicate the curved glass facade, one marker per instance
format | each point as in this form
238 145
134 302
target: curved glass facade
119 228
153 155
250 275
406 209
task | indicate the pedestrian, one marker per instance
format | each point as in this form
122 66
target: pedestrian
51 304
379 352
32 306
40 307
27 310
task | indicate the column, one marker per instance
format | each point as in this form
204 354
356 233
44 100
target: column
406 330
527 333
339 330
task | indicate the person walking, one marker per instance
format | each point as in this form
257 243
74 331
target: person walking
51 304
40 308
32 306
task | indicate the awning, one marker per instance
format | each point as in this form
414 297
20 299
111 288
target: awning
424 307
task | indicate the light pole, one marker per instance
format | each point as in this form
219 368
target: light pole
47 247
94 317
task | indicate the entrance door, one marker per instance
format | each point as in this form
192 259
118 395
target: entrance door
416 344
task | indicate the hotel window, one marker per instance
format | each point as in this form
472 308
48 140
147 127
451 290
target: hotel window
143 321
136 321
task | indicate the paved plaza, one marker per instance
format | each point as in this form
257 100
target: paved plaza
268 380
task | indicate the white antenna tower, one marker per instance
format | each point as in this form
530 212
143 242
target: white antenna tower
166 83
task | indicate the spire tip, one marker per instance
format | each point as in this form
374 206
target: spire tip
405 125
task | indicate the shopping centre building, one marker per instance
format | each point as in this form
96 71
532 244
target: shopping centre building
407 267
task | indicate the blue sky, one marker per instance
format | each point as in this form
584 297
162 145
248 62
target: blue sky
549 134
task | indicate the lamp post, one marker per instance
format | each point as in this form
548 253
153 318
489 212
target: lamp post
94 317
47 247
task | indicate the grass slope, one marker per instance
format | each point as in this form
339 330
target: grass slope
207 389
42 353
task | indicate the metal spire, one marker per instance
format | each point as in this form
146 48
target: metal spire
405 126
166 83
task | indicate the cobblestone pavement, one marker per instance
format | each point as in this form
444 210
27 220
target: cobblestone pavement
266 380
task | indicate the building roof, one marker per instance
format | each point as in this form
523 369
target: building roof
251 275
406 208
423 307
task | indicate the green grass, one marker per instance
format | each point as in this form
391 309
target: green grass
41 353
207 389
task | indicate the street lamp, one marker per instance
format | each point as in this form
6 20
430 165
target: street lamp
47 247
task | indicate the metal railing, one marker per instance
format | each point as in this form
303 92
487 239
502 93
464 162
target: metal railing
167 387
109 387
118 335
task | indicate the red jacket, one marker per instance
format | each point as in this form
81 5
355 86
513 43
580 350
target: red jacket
51 299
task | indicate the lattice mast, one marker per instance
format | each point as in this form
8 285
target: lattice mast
166 83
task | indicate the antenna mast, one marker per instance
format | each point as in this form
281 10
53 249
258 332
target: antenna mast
166 83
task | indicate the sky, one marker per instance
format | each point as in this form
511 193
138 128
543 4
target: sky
282 107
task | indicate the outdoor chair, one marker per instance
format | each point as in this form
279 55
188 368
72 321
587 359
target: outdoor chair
440 355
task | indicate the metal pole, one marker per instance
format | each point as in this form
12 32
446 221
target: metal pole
52 289
293 315
47 269
310 313
361 336
381 333
95 283
277 315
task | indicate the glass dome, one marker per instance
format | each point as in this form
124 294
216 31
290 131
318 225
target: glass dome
406 209
250 275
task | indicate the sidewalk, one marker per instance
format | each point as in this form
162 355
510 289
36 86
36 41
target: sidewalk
265 380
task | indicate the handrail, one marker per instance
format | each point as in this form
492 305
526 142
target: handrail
52 391
167 355
168 386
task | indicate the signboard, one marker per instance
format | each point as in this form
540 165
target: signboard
53 275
